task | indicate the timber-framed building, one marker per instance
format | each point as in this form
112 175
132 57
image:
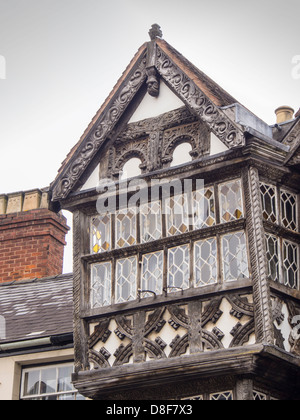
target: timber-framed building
183 289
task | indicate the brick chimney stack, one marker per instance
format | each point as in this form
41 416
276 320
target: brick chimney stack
32 237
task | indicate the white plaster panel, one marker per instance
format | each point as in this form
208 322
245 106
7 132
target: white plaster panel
152 107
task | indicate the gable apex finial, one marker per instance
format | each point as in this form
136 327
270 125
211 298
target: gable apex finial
155 32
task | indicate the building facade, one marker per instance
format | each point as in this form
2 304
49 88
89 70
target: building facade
186 281
36 301
186 240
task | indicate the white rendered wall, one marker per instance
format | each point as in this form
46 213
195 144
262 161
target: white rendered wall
152 107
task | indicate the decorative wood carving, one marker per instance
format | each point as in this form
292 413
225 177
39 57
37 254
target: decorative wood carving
102 129
186 89
153 141
257 248
147 69
143 332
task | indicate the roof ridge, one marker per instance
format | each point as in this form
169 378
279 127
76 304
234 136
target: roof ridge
37 280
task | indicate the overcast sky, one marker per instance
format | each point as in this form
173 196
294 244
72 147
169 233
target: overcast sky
63 57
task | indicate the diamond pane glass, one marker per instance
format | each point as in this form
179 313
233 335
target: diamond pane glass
151 221
272 244
101 285
179 267
290 264
126 228
268 202
288 210
100 234
231 202
177 219
259 396
235 260
204 208
206 262
152 273
222 396
126 275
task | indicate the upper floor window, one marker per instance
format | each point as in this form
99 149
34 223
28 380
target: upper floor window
279 206
49 383
206 258
174 215
231 201
126 232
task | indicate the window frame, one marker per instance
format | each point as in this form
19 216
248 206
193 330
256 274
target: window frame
282 234
194 234
39 396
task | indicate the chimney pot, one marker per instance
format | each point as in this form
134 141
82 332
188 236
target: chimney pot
284 113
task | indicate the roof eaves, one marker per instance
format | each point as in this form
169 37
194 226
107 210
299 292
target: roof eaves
208 86
94 120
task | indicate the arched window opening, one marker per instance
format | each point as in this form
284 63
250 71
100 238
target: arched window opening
181 154
131 168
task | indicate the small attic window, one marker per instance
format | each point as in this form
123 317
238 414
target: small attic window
181 154
131 168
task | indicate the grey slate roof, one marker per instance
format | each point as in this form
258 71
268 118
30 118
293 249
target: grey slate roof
36 308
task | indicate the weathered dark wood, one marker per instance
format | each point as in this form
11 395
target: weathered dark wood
199 340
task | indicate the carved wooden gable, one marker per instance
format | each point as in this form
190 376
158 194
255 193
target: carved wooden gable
292 139
112 137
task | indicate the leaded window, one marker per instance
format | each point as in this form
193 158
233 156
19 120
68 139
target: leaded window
101 234
272 243
279 206
290 264
205 260
231 201
126 279
101 285
234 255
151 221
259 396
176 210
222 396
282 258
204 208
179 267
288 210
269 202
206 271
126 233
152 273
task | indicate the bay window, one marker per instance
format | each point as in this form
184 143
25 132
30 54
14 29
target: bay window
152 261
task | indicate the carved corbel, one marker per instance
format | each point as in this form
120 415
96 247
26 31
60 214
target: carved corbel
153 82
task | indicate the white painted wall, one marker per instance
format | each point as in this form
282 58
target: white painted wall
11 369
152 107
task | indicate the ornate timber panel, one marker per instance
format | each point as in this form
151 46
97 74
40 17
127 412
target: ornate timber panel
286 319
172 331
258 263
102 129
209 113
148 70
153 141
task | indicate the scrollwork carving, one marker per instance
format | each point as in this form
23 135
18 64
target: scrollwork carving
101 130
186 89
